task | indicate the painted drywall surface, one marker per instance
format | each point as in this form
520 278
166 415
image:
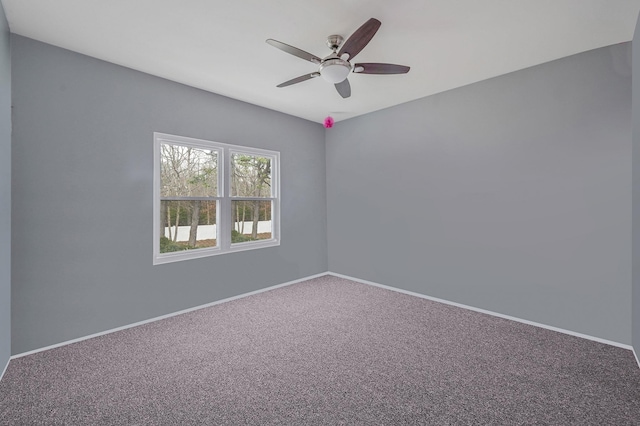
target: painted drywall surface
511 195
82 188
5 192
635 300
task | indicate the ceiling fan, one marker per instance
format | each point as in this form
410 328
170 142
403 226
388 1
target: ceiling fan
336 67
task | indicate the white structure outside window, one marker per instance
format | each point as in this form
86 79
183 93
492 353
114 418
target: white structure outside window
212 198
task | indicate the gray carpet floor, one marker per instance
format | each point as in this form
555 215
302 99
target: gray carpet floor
326 351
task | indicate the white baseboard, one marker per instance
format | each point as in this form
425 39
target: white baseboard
173 314
484 311
411 293
5 368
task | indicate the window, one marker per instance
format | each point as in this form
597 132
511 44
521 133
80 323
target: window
212 198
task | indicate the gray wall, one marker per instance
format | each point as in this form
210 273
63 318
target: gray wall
82 196
511 195
5 193
636 189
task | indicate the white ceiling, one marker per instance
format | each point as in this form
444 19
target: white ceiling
219 45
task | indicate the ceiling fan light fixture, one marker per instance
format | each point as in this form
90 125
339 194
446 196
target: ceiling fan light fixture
335 70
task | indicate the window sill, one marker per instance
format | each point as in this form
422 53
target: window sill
207 252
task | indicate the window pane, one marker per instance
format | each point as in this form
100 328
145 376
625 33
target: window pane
187 225
251 221
188 172
250 176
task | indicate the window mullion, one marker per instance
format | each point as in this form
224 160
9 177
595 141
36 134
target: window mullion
224 231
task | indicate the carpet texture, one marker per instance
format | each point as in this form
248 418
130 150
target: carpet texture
326 351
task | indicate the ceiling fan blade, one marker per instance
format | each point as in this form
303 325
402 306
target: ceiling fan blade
344 88
360 38
299 79
376 68
294 51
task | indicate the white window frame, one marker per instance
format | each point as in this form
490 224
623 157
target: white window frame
224 221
